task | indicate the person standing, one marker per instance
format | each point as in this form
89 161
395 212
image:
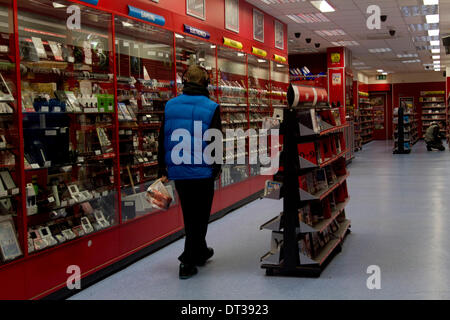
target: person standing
433 136
194 182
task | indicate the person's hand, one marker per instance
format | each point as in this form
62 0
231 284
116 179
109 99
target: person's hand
164 179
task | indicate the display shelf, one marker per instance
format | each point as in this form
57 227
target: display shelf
298 240
433 108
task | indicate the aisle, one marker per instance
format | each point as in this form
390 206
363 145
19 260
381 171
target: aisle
400 212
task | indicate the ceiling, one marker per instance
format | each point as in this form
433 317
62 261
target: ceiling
348 23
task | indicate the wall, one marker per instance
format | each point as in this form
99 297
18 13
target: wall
430 76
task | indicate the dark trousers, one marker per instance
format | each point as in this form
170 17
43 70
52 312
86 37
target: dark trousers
436 144
196 197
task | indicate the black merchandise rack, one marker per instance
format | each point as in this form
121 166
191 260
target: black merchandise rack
285 256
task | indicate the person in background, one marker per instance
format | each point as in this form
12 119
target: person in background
433 136
194 182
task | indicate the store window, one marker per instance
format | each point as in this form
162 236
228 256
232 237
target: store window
145 75
259 103
68 121
233 101
11 222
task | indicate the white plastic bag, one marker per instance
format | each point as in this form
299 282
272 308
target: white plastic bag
158 196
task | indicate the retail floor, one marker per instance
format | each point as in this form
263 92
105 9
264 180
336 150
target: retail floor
400 212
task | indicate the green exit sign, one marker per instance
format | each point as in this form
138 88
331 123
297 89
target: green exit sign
381 77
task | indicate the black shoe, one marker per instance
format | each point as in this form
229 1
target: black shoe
187 271
208 256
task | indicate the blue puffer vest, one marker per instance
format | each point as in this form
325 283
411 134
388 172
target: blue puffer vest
180 113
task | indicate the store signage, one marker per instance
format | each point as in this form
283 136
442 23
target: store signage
196 32
279 58
381 77
336 57
94 2
259 52
232 43
146 16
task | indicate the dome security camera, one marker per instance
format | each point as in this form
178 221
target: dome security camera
317 45
297 34
308 40
392 32
383 18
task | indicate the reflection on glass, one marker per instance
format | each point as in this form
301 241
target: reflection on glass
10 209
259 103
68 121
144 56
233 101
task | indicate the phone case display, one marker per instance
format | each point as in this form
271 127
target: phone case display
233 102
411 129
259 104
68 123
366 116
144 56
433 108
10 173
279 78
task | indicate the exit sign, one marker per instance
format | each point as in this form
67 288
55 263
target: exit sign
381 77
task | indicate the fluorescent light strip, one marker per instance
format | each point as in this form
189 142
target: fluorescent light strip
330 33
344 43
308 18
414 11
436 57
435 50
435 43
411 61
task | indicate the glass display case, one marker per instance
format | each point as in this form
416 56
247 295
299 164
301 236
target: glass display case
279 84
145 76
68 122
259 106
11 222
232 97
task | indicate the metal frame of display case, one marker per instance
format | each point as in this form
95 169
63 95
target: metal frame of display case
44 274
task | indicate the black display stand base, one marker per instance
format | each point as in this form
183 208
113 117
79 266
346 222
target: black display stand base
307 271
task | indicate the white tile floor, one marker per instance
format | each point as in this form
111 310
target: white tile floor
400 212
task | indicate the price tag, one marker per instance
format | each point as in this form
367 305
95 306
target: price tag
3 193
98 152
35 166
15 191
63 130
80 159
51 132
129 132
57 109
44 109
110 108
51 199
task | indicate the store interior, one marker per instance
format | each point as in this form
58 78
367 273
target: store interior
352 86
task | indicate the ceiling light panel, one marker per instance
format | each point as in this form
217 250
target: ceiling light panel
345 43
430 2
423 27
308 18
414 11
433 33
380 50
330 33
411 61
323 6
432 18
407 55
